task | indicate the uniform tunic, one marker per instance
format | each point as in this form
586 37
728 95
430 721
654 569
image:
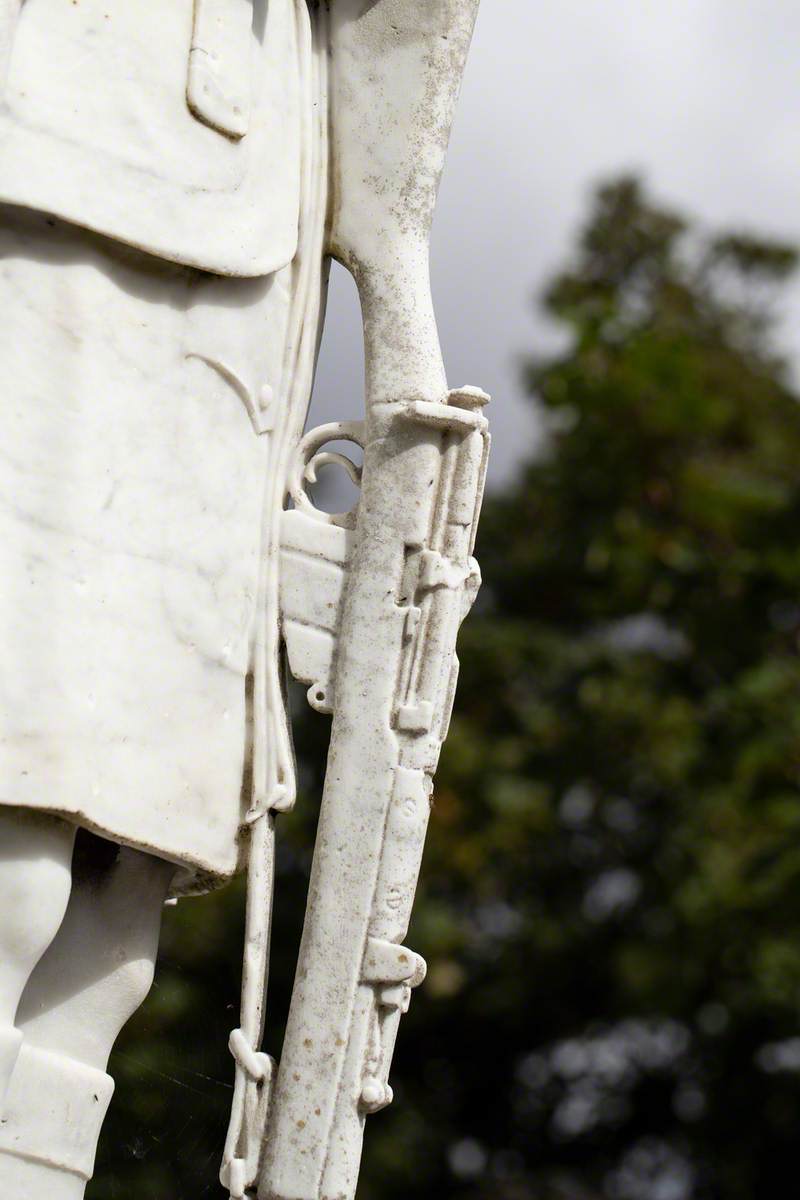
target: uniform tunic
133 359
132 478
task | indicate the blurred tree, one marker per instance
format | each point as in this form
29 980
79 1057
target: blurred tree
611 895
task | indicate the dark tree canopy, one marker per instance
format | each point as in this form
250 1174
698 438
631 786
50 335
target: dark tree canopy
611 896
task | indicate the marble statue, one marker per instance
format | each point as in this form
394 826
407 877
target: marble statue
175 176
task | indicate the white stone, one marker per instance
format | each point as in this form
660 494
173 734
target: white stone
95 127
173 176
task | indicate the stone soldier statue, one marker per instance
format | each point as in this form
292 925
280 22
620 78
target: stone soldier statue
174 175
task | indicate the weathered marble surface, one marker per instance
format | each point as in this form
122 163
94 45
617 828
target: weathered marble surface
95 126
174 176
132 482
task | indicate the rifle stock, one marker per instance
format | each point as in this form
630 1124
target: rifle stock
411 578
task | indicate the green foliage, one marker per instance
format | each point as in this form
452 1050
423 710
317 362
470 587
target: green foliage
611 896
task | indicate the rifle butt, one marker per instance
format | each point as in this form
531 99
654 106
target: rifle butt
354 976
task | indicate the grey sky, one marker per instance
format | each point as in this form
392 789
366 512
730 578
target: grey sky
701 96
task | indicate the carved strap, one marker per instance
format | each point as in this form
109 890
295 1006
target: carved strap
273 781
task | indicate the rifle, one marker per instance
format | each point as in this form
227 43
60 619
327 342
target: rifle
394 588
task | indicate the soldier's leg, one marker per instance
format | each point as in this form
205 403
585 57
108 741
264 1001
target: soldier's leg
92 979
35 879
